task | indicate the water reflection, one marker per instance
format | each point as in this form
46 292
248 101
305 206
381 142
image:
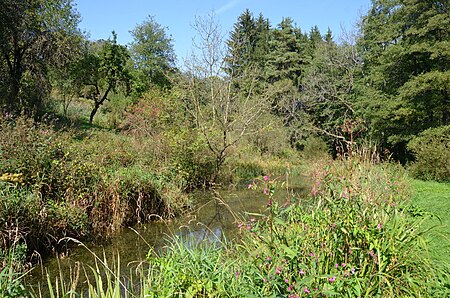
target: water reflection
215 218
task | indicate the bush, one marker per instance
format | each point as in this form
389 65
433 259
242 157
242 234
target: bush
431 149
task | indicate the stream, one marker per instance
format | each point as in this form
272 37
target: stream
215 218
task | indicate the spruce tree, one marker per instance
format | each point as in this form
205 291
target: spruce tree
406 83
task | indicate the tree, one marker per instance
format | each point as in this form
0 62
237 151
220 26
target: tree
406 83
222 114
241 44
328 89
286 55
101 71
152 52
35 35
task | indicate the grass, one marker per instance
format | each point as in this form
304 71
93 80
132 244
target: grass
354 235
434 198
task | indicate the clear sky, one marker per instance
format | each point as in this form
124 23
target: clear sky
100 17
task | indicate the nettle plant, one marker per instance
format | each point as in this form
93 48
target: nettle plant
350 237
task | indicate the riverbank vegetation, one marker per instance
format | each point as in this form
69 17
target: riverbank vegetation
95 136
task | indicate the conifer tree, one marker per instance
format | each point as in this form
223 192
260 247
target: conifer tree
406 84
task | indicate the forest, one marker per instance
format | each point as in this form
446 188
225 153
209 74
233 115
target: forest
96 136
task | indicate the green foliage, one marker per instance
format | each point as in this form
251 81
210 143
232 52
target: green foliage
286 54
350 238
35 36
406 80
11 284
152 53
315 148
101 70
200 270
431 149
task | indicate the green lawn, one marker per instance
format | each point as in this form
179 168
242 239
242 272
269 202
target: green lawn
434 197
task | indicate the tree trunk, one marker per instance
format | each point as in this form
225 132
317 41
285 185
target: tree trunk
98 103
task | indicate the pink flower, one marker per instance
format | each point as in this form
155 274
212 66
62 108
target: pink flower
286 280
249 186
337 266
306 291
268 259
332 279
301 272
379 226
278 270
353 270
264 280
265 178
237 274
290 288
266 192
311 254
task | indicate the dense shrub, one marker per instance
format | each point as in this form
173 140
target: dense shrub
91 188
431 149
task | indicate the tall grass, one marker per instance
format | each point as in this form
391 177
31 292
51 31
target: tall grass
352 236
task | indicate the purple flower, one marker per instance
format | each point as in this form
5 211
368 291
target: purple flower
306 291
311 254
353 270
266 192
286 280
237 274
343 264
265 178
290 288
268 259
332 279
337 265
379 226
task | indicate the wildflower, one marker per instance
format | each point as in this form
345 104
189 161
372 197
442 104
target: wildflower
301 272
311 254
379 226
337 265
343 264
371 253
264 280
266 192
306 291
265 178
250 186
314 191
353 270
237 274
290 288
268 259
286 280
332 279
249 227
278 270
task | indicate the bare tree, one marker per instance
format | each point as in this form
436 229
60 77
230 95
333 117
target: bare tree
222 113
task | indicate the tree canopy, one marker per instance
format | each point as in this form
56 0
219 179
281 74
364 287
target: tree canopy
35 36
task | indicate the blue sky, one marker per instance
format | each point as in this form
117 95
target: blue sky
100 17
